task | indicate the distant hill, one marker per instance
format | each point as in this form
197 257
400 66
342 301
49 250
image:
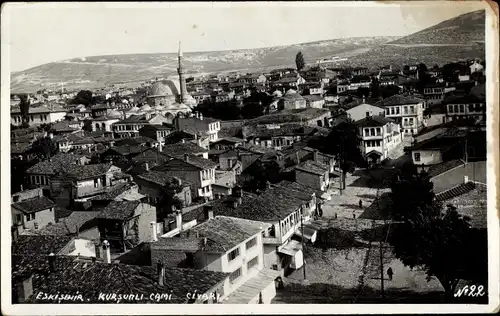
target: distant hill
97 71
457 38
463 29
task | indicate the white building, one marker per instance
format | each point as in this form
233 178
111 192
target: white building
38 115
406 110
380 136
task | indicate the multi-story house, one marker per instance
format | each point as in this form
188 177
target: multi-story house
224 244
197 171
199 126
468 106
434 93
476 67
252 78
31 210
314 174
359 82
314 101
360 111
41 173
104 123
281 137
126 224
156 132
130 127
380 136
154 184
202 96
38 115
292 100
406 110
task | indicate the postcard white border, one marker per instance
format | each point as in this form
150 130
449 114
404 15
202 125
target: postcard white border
492 66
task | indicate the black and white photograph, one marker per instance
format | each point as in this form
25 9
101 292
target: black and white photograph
324 156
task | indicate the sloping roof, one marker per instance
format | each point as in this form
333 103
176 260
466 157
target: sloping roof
119 210
54 164
191 244
399 99
36 245
83 172
286 130
70 224
464 99
85 278
34 205
114 191
160 177
312 167
436 143
443 167
195 161
179 149
455 191
134 141
374 120
225 233
288 116
20 148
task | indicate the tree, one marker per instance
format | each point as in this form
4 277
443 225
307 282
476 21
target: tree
24 107
343 142
169 201
299 61
375 88
389 91
429 236
423 77
44 148
83 97
257 175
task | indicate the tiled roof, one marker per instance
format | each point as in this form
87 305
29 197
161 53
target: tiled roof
20 148
119 210
83 172
443 167
295 189
134 141
455 191
224 233
126 150
54 164
375 120
313 97
114 191
70 224
159 177
34 205
191 244
286 130
399 99
464 99
30 245
436 143
90 279
195 161
313 167
288 116
179 149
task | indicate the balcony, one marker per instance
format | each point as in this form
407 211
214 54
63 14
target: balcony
89 191
271 240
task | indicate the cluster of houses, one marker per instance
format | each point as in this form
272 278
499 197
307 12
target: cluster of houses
150 191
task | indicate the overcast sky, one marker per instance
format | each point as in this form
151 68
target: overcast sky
40 33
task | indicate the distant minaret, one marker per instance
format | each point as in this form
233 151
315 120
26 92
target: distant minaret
182 80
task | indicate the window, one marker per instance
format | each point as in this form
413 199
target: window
367 132
96 183
233 254
19 219
15 198
251 243
412 109
411 120
379 132
372 131
387 111
367 114
392 111
455 108
462 109
235 275
416 157
252 263
450 108
397 110
406 110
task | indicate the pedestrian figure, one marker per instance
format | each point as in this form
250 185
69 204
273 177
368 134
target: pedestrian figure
390 273
335 215
354 215
360 204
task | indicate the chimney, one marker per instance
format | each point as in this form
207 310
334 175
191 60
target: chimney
201 117
154 234
209 212
51 136
186 157
146 166
23 289
161 272
97 247
160 147
52 262
183 141
178 220
205 240
106 252
297 157
22 188
197 114
466 179
315 155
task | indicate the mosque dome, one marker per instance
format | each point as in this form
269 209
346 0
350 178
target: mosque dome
114 114
164 88
292 95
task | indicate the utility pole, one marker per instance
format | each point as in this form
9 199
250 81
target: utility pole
303 246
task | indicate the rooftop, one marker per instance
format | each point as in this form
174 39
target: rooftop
289 116
55 163
34 245
374 120
119 210
34 205
224 233
159 177
313 167
83 172
443 167
179 149
192 160
191 244
76 222
399 99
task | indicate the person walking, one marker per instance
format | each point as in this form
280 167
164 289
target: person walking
390 273
360 204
